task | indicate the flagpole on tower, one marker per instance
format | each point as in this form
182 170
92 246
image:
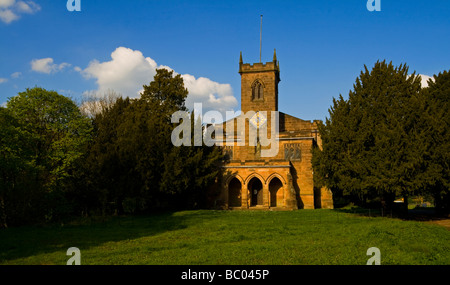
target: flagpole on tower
260 40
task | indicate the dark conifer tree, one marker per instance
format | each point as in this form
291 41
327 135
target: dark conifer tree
437 140
133 154
372 142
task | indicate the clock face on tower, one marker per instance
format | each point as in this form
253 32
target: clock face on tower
258 120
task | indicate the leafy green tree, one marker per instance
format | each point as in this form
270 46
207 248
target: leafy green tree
372 142
16 192
58 130
57 135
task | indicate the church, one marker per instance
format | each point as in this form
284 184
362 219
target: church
283 180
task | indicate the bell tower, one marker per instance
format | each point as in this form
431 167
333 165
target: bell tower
259 85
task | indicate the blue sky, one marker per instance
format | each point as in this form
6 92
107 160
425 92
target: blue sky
322 46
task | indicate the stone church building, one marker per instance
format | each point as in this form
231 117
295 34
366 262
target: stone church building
281 181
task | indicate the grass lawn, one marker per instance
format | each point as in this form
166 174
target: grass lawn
324 237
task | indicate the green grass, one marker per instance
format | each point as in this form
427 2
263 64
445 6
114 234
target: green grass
231 237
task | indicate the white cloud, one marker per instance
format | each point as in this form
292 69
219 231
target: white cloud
16 74
10 10
6 3
7 16
425 79
29 7
46 65
128 70
3 80
212 95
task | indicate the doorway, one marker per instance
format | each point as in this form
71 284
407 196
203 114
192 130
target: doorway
276 193
256 192
234 193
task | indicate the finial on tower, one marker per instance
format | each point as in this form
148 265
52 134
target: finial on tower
275 55
240 59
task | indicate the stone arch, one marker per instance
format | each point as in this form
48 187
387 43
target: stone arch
255 187
230 177
258 90
276 192
260 81
247 180
279 176
234 188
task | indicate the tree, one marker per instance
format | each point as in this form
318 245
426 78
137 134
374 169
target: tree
166 93
133 156
16 192
57 135
58 130
436 122
189 171
372 142
103 168
95 103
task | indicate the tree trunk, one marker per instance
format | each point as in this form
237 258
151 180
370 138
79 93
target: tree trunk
387 203
405 205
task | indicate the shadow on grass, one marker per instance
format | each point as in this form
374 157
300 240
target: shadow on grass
29 241
365 212
429 215
415 214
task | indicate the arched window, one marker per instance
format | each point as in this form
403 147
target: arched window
257 91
